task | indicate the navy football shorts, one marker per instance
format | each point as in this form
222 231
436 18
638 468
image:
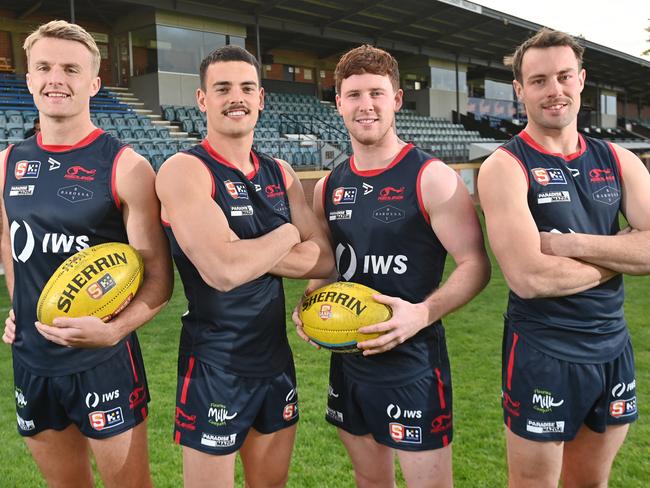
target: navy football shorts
216 409
412 417
548 399
103 401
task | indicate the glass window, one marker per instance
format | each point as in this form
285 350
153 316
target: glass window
445 79
145 56
237 41
608 104
498 90
181 50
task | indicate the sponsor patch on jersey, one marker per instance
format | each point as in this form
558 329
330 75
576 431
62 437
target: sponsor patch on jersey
553 197
343 195
213 440
25 424
236 189
290 411
546 427
623 407
605 175
388 214
607 195
281 208
407 434
241 210
80 173
54 164
367 189
340 215
334 414
75 193
549 176
106 419
27 169
390 193
273 191
21 190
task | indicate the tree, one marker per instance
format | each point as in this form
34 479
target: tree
647 51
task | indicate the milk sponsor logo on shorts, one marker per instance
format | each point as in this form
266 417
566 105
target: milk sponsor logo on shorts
21 190
544 402
334 414
241 210
185 420
622 388
549 176
212 440
21 401
27 169
340 215
406 434
622 407
344 195
218 414
106 419
441 423
553 197
25 424
236 189
388 214
395 412
539 427
607 195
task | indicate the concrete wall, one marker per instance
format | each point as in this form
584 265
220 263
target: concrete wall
177 88
145 87
436 103
421 98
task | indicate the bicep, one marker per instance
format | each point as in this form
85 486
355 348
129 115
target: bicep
636 190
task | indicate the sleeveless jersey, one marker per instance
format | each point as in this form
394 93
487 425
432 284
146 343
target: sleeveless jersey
59 200
383 239
577 193
242 331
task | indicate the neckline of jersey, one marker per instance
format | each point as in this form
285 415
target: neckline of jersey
221 160
63 148
375 172
525 136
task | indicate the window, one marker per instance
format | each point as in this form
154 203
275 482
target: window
445 79
181 50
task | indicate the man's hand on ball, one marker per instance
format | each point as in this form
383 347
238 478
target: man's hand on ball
407 320
298 323
9 335
82 332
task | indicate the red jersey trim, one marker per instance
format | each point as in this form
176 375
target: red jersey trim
4 166
164 222
511 360
284 174
116 197
569 157
418 189
375 172
324 191
523 168
135 373
186 381
221 160
89 139
441 390
618 161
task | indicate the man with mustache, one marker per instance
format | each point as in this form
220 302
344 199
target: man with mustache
552 200
237 222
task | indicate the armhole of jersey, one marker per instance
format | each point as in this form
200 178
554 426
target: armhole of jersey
521 165
418 190
618 161
116 197
207 168
323 192
284 174
4 167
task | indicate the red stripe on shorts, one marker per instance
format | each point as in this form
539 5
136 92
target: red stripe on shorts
511 360
441 390
445 441
177 437
144 412
186 383
135 374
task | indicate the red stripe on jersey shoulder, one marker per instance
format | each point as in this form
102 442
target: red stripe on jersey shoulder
4 169
63 148
618 161
582 147
418 189
220 159
116 197
284 174
375 172
324 191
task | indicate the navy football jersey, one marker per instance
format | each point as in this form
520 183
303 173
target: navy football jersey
576 193
242 331
383 239
59 200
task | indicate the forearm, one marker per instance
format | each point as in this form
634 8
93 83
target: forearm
307 259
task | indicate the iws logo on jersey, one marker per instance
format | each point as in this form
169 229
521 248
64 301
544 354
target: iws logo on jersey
27 169
553 197
388 214
390 193
607 195
274 191
236 189
80 173
23 242
21 190
598 175
548 176
75 193
343 195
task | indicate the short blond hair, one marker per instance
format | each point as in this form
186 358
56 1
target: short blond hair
60 29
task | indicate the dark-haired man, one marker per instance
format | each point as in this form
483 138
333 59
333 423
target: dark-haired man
552 200
237 222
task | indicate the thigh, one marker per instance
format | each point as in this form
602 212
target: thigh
533 464
47 448
201 470
588 458
372 462
123 459
266 457
427 469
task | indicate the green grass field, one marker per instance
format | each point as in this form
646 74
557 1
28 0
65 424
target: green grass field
474 340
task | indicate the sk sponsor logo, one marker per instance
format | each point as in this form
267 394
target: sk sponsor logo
405 433
281 208
80 173
390 193
548 176
622 408
441 423
185 421
212 440
553 197
343 195
27 169
218 414
102 420
21 190
544 402
236 189
552 427
99 288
